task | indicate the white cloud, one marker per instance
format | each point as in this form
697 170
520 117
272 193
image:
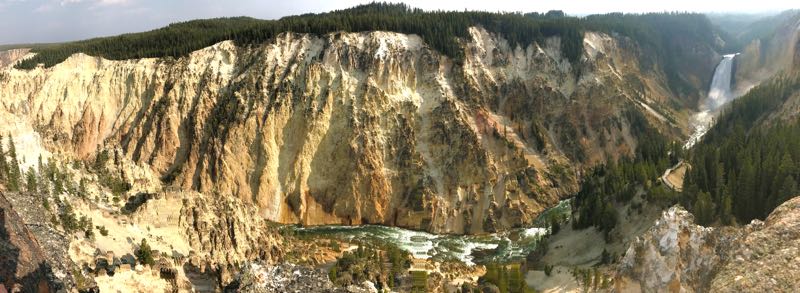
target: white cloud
94 2
4 3
594 6
46 7
113 2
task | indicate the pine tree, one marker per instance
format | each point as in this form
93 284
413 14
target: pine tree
13 169
727 209
82 193
333 273
503 280
788 189
719 180
3 163
782 175
703 209
40 165
145 253
30 182
745 209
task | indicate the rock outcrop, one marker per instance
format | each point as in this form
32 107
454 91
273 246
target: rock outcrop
23 264
676 255
352 128
223 234
285 278
767 257
763 57
10 57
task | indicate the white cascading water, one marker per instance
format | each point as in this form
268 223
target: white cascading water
719 94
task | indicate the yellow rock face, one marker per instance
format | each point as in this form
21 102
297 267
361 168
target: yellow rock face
353 128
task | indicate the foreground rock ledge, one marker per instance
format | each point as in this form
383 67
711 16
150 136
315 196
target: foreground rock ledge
676 255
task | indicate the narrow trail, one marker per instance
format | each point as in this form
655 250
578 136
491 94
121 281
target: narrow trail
673 177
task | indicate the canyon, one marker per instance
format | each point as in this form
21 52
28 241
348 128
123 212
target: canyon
259 167
351 128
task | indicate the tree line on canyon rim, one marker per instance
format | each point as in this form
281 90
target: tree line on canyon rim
655 33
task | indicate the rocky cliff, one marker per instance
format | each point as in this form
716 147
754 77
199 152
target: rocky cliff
23 264
351 128
766 258
676 255
9 57
765 56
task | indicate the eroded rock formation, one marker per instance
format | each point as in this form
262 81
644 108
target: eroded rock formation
23 264
676 255
351 128
767 258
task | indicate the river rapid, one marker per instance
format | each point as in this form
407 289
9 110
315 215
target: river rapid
511 245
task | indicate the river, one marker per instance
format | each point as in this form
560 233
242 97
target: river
505 246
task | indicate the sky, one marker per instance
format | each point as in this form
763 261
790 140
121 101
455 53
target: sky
43 21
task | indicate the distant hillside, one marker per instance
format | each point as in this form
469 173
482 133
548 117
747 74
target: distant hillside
746 164
768 46
745 28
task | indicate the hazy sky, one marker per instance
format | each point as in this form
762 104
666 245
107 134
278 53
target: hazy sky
26 21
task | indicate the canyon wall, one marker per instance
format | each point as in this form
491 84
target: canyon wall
764 57
353 128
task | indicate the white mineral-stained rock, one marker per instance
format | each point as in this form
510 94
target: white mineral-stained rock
345 128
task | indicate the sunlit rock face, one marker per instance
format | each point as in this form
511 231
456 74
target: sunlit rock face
352 128
676 255
766 259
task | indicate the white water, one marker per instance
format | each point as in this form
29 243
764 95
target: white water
503 246
719 94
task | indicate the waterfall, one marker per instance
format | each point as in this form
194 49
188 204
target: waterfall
720 91
719 94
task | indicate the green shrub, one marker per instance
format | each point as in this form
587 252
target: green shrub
419 281
103 230
145 254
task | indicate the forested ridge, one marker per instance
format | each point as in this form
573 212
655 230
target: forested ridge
442 30
745 167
